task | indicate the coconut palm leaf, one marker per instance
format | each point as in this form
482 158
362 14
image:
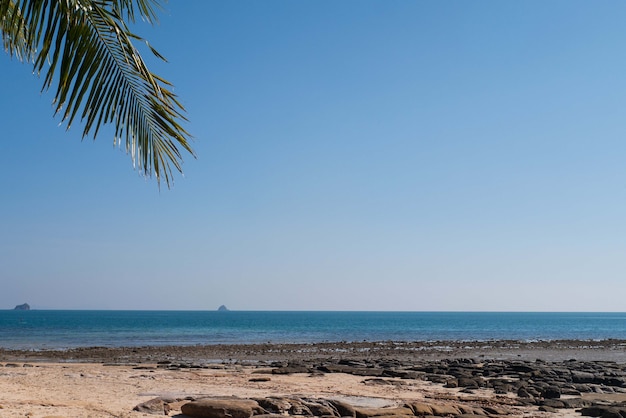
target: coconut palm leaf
86 48
13 34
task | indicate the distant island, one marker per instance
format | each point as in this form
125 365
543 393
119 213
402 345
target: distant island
22 307
223 308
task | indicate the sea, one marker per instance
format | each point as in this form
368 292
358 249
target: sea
59 329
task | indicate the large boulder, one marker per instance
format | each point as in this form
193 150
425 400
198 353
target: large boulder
221 408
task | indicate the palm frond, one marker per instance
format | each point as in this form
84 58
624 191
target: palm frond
88 51
13 31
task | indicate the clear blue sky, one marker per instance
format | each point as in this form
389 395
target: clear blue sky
352 155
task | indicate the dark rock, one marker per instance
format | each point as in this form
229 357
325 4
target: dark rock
575 403
583 388
395 373
378 381
438 378
545 408
520 367
612 413
352 363
553 403
291 369
570 391
526 401
593 411
466 382
259 379
351 367
367 372
223 308
523 393
411 374
614 381
582 377
452 383
22 307
533 391
551 392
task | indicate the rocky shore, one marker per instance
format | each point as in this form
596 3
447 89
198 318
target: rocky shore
468 379
609 350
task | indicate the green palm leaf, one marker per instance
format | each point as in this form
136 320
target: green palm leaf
88 51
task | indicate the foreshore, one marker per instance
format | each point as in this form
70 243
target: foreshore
487 378
605 350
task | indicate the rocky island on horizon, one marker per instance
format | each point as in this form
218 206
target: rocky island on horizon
22 307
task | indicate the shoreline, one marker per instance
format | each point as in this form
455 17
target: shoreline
556 350
549 379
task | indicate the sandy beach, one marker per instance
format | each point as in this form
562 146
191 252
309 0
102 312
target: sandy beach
104 382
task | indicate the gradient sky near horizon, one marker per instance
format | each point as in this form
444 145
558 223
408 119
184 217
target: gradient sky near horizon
352 155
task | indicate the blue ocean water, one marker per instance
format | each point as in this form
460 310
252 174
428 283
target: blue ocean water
39 329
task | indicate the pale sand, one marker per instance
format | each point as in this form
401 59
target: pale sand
84 390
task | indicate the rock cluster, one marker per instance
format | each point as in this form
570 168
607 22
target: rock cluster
275 407
548 386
